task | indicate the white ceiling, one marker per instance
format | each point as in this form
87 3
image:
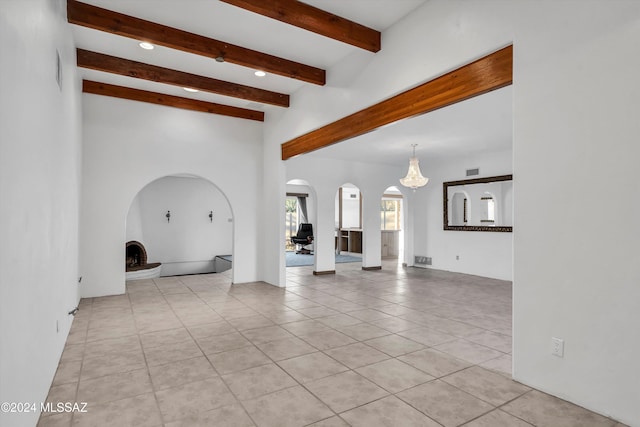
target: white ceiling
221 21
479 124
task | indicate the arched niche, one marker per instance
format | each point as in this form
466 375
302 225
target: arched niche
184 222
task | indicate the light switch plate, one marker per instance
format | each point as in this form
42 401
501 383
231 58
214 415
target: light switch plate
557 347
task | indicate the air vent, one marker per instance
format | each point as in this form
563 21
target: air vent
422 260
353 196
473 172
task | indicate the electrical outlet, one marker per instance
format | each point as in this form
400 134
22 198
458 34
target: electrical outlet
457 257
557 347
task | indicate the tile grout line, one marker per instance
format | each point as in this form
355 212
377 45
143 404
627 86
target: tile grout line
146 362
238 401
328 305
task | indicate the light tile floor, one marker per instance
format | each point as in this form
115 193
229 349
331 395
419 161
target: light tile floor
396 347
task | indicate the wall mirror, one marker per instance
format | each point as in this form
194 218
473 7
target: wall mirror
480 204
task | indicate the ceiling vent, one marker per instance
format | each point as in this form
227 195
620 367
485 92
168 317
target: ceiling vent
473 172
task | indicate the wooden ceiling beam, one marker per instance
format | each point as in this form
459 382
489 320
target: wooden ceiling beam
122 92
311 18
128 26
125 67
491 72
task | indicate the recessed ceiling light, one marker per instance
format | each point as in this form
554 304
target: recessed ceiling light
260 73
146 45
190 89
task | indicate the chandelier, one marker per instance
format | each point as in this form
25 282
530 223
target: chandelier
414 178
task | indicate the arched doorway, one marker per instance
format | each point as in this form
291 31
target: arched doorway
348 220
300 224
392 225
183 222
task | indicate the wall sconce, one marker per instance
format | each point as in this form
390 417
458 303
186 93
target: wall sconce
168 215
211 216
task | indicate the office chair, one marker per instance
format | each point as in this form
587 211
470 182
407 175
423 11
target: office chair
303 238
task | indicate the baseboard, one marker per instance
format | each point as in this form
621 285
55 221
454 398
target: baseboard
377 267
322 273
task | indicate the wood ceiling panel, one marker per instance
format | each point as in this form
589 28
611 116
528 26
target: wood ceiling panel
127 26
126 67
122 92
310 18
489 73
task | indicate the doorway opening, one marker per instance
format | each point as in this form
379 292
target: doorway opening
348 221
392 224
300 224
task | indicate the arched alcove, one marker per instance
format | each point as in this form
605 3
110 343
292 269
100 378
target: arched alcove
185 223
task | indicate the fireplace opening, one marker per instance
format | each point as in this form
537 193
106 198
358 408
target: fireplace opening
136 264
136 255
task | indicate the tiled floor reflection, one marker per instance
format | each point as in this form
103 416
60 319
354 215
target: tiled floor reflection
396 347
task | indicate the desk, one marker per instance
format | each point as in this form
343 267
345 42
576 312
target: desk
350 240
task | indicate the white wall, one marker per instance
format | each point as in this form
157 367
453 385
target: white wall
39 198
487 254
577 267
575 101
129 144
134 230
190 241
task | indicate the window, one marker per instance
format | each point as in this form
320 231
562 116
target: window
291 221
390 214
